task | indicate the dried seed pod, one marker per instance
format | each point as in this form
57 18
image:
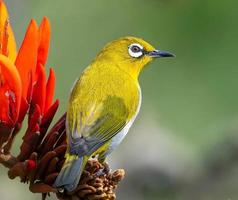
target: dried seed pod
50 179
52 166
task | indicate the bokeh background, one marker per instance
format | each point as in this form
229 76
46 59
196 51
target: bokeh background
184 144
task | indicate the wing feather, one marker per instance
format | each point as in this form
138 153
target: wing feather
87 135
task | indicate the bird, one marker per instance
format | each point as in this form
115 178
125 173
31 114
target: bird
103 104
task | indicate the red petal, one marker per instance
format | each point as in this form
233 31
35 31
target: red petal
34 118
49 115
23 110
10 91
50 90
27 56
44 32
39 90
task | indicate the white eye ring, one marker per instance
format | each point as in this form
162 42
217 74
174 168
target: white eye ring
135 50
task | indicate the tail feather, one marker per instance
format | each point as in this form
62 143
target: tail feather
70 173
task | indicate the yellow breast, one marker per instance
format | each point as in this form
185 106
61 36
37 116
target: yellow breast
100 83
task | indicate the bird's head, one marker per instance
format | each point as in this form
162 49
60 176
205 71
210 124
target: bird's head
130 54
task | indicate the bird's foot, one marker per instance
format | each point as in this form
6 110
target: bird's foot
106 168
103 171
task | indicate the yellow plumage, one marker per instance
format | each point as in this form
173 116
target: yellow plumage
103 104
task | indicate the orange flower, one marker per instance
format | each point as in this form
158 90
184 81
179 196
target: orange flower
23 82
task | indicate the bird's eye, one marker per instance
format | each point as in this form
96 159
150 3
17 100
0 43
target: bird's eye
135 50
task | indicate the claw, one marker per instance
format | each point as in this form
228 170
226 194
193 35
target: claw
103 171
100 172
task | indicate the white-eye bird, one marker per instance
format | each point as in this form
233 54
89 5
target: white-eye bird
103 105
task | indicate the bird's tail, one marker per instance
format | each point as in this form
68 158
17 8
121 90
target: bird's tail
70 173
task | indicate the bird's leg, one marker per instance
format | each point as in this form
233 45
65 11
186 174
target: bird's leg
106 168
105 164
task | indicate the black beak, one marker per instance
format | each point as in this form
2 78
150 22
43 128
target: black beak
159 54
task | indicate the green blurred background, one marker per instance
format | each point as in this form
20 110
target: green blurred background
184 144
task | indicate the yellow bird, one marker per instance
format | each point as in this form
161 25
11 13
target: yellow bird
103 104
